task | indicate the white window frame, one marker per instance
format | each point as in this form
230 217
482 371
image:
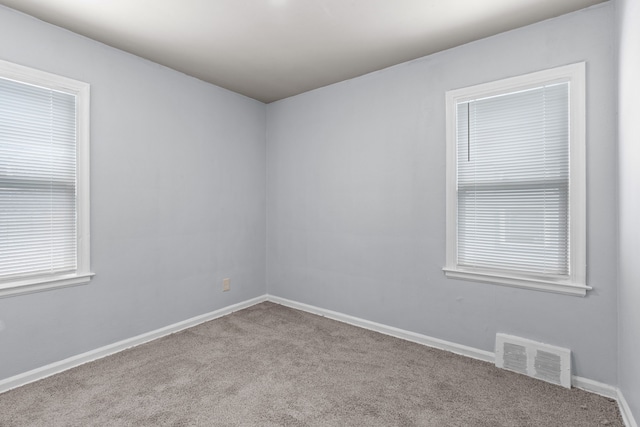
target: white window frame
575 283
82 275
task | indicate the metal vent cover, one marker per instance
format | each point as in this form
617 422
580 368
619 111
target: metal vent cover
543 361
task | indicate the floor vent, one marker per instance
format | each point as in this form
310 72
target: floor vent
545 362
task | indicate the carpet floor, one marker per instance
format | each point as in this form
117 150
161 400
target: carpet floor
270 365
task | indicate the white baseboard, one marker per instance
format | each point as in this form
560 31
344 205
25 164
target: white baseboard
487 356
460 349
625 410
609 391
595 387
80 359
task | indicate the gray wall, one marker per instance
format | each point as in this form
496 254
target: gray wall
356 197
629 154
177 200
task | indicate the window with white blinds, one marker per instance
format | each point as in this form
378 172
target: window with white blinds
43 181
515 200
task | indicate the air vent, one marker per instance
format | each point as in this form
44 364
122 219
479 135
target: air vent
545 362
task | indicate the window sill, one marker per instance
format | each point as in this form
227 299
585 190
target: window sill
39 284
517 282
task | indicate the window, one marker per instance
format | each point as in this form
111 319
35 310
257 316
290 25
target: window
44 181
516 181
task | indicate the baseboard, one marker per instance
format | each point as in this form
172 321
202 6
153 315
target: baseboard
595 387
609 391
487 356
460 349
625 410
80 359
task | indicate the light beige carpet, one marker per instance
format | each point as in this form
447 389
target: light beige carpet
269 365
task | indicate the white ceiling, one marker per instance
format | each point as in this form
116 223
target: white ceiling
272 49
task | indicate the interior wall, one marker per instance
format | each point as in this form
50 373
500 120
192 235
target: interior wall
177 200
356 197
628 17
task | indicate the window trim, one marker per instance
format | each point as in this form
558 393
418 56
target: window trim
81 90
575 283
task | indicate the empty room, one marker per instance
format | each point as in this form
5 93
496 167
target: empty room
319 213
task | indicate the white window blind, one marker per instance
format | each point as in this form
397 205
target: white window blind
513 182
37 181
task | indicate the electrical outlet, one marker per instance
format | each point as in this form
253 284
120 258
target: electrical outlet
226 284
